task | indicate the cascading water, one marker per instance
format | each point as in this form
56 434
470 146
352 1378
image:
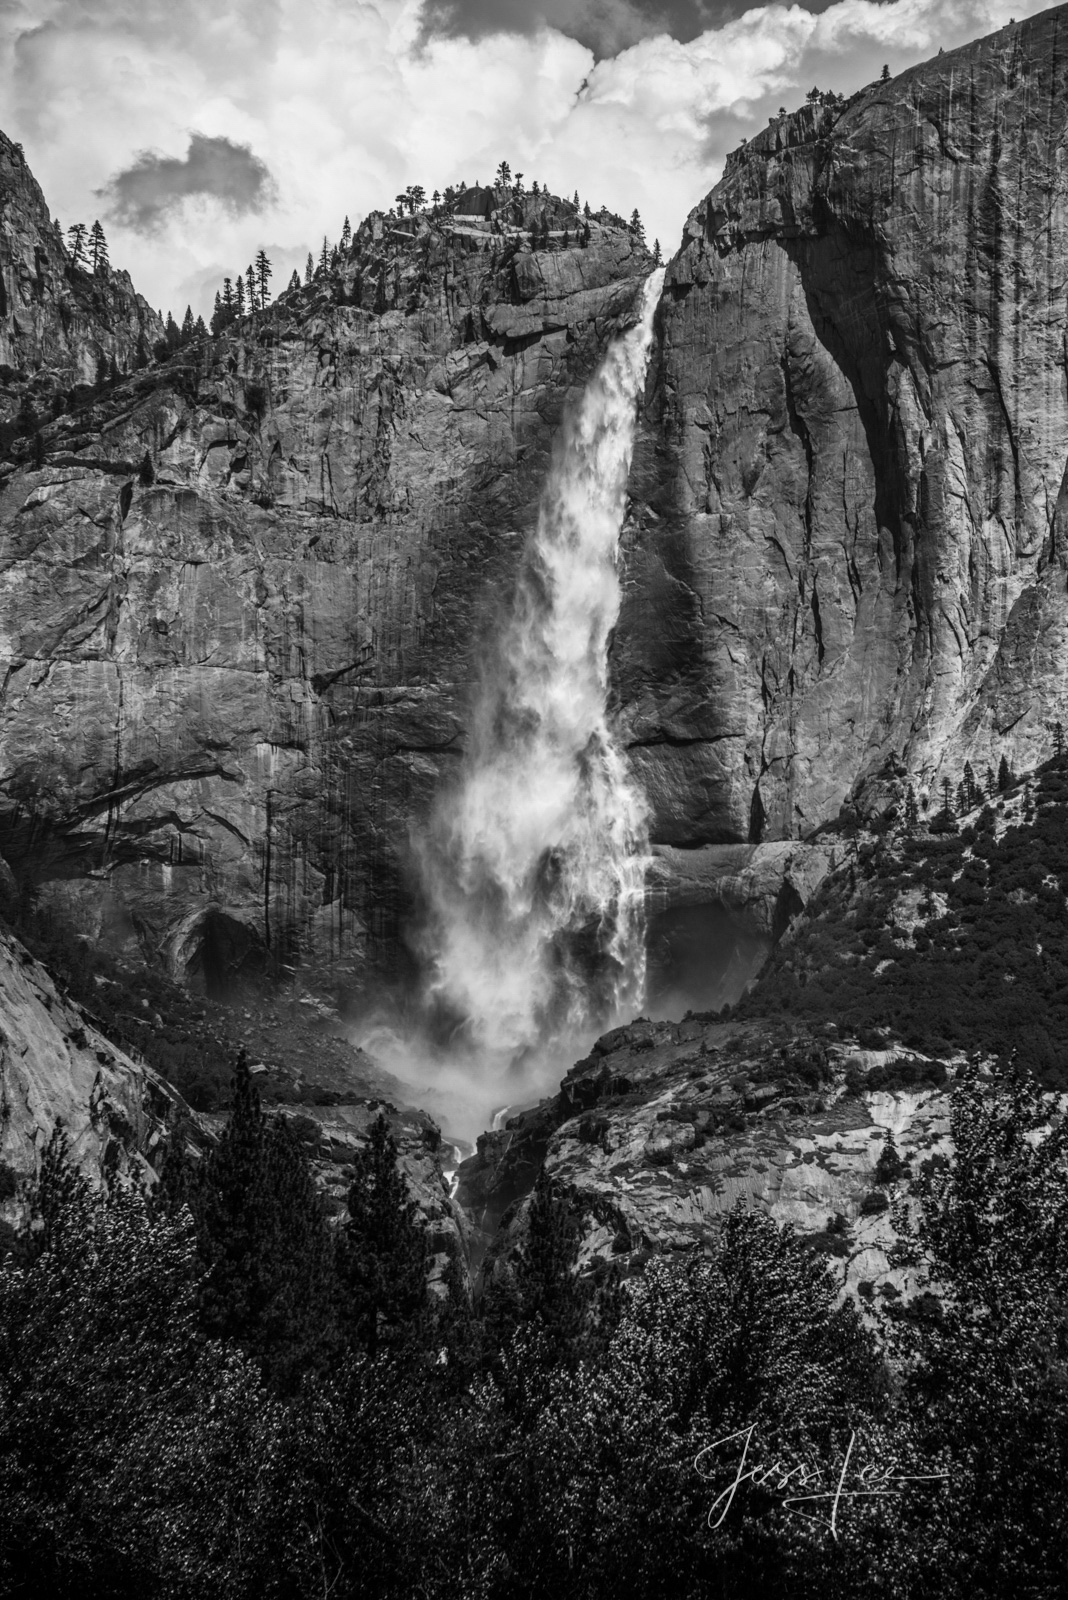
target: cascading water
533 864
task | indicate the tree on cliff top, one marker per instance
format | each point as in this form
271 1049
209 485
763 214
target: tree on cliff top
264 274
98 249
76 243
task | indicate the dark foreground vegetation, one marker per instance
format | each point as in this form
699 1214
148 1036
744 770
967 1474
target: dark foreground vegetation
948 937
213 1393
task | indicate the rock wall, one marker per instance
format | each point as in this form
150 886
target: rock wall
57 322
242 593
57 1068
847 560
666 1127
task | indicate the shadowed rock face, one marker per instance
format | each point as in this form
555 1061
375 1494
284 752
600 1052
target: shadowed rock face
850 544
56 322
244 592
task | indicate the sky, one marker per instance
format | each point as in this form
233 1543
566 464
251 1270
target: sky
198 131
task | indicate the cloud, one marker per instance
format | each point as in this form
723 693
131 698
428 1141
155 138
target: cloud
340 106
604 26
216 168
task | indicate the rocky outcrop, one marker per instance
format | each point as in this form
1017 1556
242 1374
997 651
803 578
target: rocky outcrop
665 1127
57 1069
847 559
243 591
58 322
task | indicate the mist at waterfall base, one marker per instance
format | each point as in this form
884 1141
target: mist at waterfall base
531 867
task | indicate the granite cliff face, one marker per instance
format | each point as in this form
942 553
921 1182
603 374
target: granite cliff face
847 561
56 1068
58 322
243 591
666 1127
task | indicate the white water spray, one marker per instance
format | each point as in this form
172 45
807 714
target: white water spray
533 865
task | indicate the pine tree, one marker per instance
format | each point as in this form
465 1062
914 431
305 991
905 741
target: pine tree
540 1290
250 286
218 315
76 234
972 793
416 197
457 1335
962 799
187 325
309 269
657 259
566 241
324 257
346 235
263 1237
98 249
384 1251
586 212
1058 739
239 296
947 798
1004 776
172 333
884 76
294 282
637 228
912 813
199 329
504 175
584 239
263 277
991 783
890 1166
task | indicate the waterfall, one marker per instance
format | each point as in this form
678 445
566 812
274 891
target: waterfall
533 863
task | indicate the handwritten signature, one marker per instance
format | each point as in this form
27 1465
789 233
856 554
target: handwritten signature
873 1481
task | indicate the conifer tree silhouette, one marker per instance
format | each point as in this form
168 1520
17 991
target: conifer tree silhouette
384 1253
76 234
263 1237
98 249
263 277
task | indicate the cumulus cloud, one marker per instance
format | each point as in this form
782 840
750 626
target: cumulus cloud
605 26
344 105
142 195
